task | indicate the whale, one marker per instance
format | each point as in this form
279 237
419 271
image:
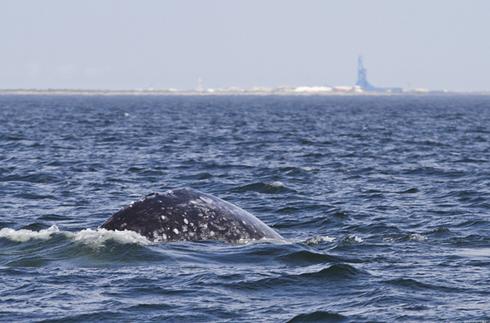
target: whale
185 214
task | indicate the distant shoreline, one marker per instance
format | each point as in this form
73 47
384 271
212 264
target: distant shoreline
240 92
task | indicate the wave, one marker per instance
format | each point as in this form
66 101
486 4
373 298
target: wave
352 239
266 188
100 236
412 190
91 237
415 284
296 171
319 240
417 237
35 178
479 252
24 235
403 237
333 273
336 271
308 257
318 316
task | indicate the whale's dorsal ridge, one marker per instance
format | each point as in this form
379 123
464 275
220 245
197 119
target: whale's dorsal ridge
187 214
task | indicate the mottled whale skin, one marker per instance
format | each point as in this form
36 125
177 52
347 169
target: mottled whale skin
188 215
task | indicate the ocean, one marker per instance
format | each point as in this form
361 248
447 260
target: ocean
384 202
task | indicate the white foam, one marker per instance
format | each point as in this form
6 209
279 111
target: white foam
87 236
357 239
263 240
277 184
353 238
24 235
388 239
319 239
417 237
98 237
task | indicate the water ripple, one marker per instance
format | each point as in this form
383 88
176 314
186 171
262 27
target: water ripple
383 201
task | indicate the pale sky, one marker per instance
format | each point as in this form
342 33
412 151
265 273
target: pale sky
121 44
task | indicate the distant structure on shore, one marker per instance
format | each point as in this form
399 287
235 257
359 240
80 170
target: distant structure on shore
362 81
364 85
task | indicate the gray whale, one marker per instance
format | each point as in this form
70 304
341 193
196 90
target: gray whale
188 215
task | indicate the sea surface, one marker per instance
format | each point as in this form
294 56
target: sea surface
384 202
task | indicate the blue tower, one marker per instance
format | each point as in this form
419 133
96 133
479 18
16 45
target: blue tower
362 81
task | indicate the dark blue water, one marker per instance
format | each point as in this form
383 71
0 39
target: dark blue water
385 202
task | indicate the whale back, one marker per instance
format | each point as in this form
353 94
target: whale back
189 215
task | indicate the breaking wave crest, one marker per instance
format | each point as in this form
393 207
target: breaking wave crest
24 235
95 238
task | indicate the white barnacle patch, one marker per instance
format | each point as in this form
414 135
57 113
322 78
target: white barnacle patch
124 225
221 227
211 233
176 230
203 226
186 221
184 228
164 237
163 217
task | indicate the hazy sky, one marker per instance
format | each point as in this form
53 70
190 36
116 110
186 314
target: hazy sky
437 44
